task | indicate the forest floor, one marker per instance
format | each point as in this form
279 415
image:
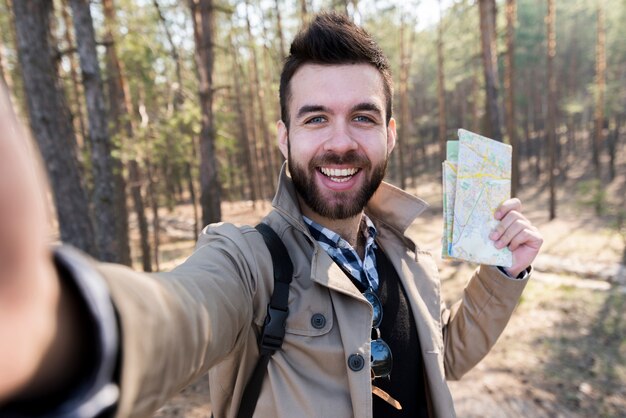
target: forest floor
563 353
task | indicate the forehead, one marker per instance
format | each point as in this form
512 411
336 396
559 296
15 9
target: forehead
336 85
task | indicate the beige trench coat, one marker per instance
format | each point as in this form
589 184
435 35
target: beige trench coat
205 315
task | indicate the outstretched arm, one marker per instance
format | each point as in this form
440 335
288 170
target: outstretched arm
37 339
56 317
474 323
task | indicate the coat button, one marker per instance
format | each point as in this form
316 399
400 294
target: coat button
318 321
356 362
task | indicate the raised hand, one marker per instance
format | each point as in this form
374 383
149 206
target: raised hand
518 233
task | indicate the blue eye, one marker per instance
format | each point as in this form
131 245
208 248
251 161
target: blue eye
316 119
363 118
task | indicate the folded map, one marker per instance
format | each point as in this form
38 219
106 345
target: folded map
476 180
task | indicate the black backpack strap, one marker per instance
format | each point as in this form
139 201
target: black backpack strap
273 332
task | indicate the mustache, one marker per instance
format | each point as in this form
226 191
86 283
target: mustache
349 158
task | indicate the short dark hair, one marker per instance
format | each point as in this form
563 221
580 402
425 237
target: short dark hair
332 39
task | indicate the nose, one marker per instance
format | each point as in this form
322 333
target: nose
341 140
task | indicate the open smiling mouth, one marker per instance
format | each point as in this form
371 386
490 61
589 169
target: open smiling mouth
339 175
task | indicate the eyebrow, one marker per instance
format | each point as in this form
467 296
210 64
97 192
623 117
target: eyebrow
365 106
310 109
368 106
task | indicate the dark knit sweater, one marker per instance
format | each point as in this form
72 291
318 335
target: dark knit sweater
406 383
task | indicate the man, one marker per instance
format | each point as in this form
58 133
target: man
345 233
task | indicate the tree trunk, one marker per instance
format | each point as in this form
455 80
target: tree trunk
244 140
253 138
170 169
267 148
598 131
475 114
527 131
271 75
461 98
304 13
257 147
121 115
154 204
234 181
279 32
50 122
487 9
140 211
203 24
406 47
573 61
551 102
178 87
509 83
254 133
109 195
77 115
441 89
192 197
613 141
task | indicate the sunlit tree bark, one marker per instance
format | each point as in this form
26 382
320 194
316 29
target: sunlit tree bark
551 123
50 122
600 88
259 96
279 32
441 89
487 10
178 101
120 109
109 198
202 12
406 46
78 116
304 11
509 87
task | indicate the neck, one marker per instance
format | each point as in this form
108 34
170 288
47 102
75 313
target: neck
347 229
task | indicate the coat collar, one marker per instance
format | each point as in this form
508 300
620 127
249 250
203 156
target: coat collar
391 209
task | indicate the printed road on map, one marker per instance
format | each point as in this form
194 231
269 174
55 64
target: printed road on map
476 180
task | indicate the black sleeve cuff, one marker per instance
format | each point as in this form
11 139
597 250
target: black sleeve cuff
523 275
95 392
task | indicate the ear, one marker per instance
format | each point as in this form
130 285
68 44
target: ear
283 138
391 135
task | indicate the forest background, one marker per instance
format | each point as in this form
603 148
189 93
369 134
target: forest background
156 117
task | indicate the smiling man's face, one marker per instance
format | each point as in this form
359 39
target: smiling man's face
338 143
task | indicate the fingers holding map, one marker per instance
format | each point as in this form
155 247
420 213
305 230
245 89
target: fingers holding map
476 180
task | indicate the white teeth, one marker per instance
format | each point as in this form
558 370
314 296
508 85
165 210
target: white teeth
338 172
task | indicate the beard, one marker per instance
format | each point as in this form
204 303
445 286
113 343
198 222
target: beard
344 204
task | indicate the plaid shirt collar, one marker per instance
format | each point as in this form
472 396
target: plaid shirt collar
364 271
